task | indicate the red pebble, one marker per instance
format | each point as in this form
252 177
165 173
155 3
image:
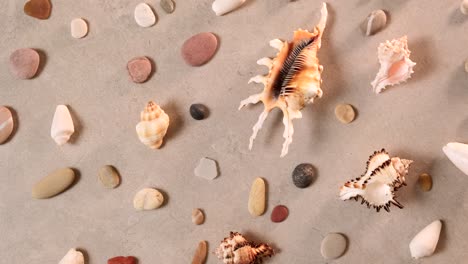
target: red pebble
122 260
279 214
199 49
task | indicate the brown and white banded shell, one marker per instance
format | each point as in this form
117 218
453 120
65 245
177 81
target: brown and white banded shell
153 125
376 188
235 249
293 81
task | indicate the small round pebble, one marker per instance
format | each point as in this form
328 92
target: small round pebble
39 9
425 182
78 28
167 5
144 15
109 177
374 22
333 246
199 111
345 113
139 69
199 49
198 217
303 174
279 214
148 199
24 63
122 260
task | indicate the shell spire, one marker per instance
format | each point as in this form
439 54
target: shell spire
377 186
235 249
293 81
153 125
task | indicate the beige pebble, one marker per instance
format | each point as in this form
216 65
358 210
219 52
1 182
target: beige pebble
345 113
109 177
200 253
148 199
466 66
257 197
53 184
464 7
198 217
425 182
78 28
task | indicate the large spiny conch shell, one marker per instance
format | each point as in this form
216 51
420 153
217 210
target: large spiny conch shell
395 64
62 125
293 81
153 126
383 176
235 249
458 155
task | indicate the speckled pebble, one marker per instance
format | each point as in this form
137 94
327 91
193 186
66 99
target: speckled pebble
257 197
6 124
345 113
122 260
53 184
303 174
109 177
148 199
200 253
374 22
139 69
279 214
198 217
425 182
198 111
24 63
333 246
199 49
167 5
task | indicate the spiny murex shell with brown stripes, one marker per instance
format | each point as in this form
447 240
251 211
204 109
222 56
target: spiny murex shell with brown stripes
293 81
235 249
383 176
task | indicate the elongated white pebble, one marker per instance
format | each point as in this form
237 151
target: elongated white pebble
78 28
221 7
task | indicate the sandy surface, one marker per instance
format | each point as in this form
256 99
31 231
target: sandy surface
412 121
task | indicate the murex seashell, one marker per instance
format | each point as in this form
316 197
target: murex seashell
425 242
458 155
383 176
153 125
293 81
62 125
235 249
395 64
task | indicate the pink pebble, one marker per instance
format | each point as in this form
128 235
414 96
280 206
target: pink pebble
199 49
139 69
24 63
279 213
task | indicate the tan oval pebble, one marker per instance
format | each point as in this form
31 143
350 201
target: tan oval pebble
198 217
374 22
6 124
345 113
53 184
167 5
200 253
109 177
425 182
257 197
78 28
24 63
333 246
148 199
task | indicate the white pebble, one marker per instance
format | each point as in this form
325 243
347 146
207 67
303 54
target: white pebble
144 15
221 7
464 7
79 28
148 199
72 257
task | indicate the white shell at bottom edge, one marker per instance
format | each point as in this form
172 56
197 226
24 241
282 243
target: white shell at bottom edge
221 7
458 155
425 242
72 257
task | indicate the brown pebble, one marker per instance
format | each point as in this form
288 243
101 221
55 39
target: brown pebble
122 260
279 213
199 49
200 253
425 182
24 63
139 69
198 217
38 8
345 113
109 177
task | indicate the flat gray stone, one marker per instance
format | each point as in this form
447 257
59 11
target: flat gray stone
333 246
206 169
167 5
